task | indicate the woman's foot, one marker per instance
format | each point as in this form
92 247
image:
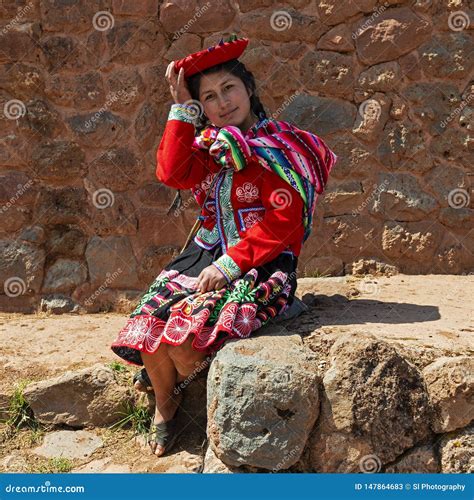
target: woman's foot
163 430
142 382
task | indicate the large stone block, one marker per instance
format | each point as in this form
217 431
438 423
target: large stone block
262 401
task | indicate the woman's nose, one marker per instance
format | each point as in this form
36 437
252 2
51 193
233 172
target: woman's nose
223 101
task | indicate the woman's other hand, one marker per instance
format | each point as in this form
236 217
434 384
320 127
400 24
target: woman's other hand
178 87
210 279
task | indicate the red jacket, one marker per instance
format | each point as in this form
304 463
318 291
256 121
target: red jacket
260 219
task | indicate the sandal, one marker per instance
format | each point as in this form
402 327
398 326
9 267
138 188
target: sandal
144 380
164 434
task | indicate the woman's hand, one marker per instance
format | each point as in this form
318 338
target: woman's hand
178 87
210 279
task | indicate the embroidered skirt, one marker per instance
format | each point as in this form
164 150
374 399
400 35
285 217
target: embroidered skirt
172 309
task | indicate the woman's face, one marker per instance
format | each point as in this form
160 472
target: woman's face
225 100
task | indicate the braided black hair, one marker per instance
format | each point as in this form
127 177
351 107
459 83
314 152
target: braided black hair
238 69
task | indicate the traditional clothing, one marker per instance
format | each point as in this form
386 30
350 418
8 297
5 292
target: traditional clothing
257 191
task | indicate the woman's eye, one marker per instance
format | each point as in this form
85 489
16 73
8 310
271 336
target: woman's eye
228 86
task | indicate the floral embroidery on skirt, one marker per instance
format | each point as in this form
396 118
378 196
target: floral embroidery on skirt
234 311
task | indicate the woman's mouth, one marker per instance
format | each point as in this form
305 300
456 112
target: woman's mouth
229 113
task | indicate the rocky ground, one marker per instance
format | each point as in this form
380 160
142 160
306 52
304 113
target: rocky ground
404 325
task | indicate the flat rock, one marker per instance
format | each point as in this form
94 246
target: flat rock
69 444
88 397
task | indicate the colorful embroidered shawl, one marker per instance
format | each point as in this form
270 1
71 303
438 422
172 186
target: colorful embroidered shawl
300 158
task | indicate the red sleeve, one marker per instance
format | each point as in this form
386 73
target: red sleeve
179 164
281 225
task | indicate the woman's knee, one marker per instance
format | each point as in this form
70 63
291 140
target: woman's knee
182 353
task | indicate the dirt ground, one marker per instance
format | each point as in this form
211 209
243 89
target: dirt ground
425 314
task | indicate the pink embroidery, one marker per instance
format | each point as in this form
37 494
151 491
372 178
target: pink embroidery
248 192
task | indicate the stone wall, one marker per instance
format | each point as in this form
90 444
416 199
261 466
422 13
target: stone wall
84 102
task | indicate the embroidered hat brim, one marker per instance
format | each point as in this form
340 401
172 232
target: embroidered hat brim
222 52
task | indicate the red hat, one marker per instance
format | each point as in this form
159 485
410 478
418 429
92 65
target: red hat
222 52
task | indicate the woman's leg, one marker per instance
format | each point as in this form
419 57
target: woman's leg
163 376
186 360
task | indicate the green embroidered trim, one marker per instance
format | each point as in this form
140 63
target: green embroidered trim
227 212
228 267
211 236
184 113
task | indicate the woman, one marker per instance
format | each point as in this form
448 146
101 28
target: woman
255 179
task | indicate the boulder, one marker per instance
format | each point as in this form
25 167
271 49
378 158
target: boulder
88 397
450 383
262 400
374 407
